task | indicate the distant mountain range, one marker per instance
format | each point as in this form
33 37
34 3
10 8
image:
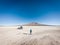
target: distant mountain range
31 24
35 24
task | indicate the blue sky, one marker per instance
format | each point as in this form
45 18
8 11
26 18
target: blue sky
13 12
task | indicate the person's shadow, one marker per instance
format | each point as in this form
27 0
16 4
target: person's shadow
26 34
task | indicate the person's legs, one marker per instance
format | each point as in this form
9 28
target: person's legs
30 32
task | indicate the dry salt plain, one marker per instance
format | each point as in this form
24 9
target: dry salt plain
41 35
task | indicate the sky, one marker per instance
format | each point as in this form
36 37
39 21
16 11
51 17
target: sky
15 12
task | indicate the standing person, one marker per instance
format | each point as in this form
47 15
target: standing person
30 31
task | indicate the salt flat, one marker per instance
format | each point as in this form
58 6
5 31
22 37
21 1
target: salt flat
41 35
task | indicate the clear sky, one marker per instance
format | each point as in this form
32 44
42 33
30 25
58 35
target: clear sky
13 12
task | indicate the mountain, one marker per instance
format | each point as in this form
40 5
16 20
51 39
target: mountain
35 24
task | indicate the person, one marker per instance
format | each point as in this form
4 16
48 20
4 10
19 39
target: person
21 27
30 31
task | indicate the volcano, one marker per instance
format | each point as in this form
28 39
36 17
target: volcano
35 24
